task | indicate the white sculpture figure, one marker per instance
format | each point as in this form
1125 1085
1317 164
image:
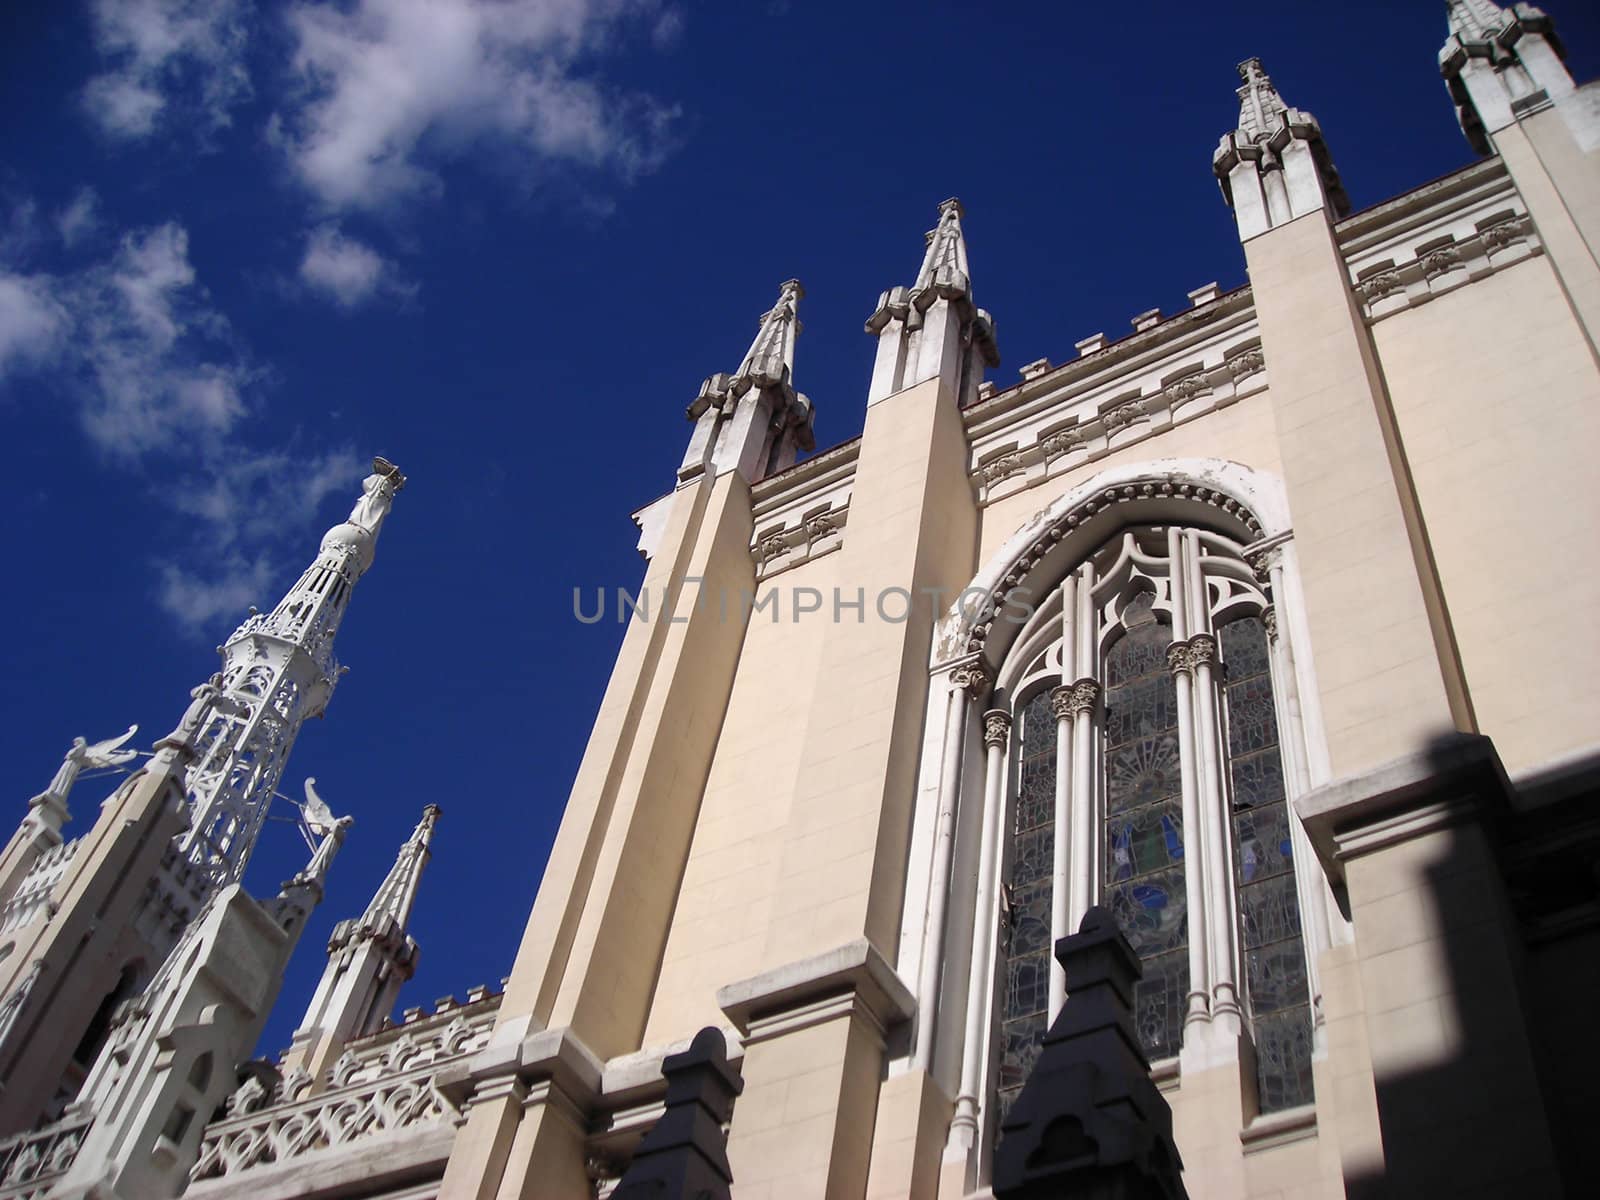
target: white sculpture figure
377 495
80 757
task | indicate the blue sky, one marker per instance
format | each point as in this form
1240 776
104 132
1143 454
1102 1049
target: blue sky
245 246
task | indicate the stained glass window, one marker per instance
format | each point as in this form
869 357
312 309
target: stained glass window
1026 949
1269 912
1143 885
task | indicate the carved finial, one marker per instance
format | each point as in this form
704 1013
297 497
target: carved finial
770 361
944 267
397 895
1475 20
1260 106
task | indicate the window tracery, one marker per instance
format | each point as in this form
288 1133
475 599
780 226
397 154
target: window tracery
1151 778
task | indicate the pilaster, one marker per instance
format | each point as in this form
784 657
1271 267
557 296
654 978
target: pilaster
1391 681
1437 959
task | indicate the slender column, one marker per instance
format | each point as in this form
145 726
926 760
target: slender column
1194 890
1060 902
996 733
968 679
1218 867
1060 864
1081 808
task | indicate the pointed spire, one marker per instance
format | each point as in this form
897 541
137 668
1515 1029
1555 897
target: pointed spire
932 330
1500 65
770 361
1260 106
1274 166
369 959
753 421
394 899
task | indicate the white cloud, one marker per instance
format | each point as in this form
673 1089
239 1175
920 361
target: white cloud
157 382
153 358
346 271
227 589
80 218
167 54
389 84
32 322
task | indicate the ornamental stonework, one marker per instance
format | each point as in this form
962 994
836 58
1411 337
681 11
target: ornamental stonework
996 727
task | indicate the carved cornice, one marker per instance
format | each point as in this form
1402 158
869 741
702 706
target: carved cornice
1387 287
1094 433
779 549
996 727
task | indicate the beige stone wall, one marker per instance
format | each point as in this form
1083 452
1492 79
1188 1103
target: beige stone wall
720 924
1498 403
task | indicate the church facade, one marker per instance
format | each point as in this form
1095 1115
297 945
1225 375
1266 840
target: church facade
1262 627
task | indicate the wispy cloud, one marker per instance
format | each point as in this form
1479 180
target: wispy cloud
161 386
80 218
348 272
167 57
388 87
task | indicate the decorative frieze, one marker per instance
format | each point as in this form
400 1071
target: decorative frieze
1100 424
1439 238
811 536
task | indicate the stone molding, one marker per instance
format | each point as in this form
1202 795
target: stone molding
1446 784
1163 487
1098 425
811 537
850 979
556 1056
1430 241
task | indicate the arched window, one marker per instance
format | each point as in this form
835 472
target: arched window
1145 771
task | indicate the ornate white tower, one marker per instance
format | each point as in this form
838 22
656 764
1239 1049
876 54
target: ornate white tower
932 329
369 959
753 421
278 669
86 924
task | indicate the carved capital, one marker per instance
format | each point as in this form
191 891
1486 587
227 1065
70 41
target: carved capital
1269 618
1178 658
1061 702
1085 694
996 727
971 677
1263 561
1202 650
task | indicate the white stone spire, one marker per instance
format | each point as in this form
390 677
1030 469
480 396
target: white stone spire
369 958
278 669
932 330
1274 166
753 421
1502 64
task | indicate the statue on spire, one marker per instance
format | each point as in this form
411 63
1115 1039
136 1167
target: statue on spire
80 757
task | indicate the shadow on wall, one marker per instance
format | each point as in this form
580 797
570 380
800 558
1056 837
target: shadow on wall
1479 943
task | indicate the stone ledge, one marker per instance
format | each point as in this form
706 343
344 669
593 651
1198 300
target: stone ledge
554 1055
855 973
1448 782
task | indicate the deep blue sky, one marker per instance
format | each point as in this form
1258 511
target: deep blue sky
561 234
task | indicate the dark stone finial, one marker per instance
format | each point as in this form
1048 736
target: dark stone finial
684 1156
1089 1121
